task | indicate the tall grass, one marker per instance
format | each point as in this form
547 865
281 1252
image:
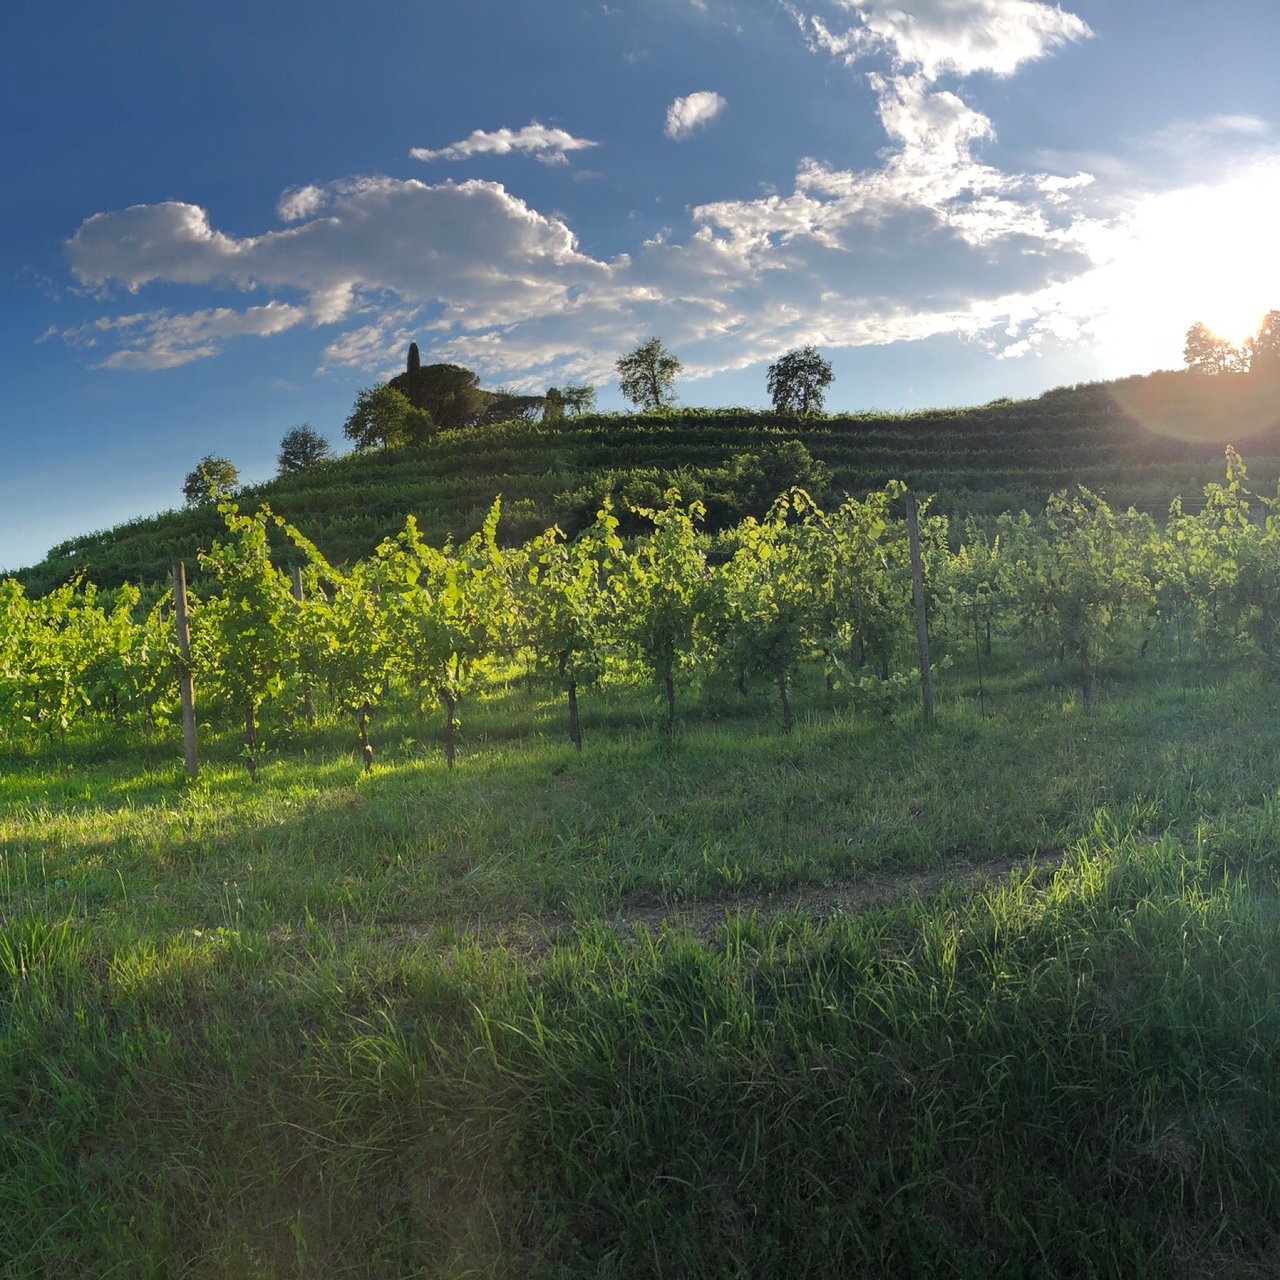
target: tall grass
1071 1076
407 1026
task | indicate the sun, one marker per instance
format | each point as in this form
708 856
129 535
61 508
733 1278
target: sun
1236 320
1205 254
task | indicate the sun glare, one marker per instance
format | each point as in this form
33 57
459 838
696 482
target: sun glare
1204 255
1235 320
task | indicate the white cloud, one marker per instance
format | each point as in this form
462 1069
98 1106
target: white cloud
157 358
1197 252
1191 145
695 111
549 145
471 246
928 239
163 340
920 244
330 303
379 345
938 36
362 348
1249 126
301 202
929 179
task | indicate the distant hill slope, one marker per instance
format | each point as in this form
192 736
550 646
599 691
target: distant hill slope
1128 439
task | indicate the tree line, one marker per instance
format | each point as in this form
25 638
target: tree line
415 405
1207 352
412 407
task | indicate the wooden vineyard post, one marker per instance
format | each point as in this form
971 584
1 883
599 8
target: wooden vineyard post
308 702
917 592
189 744
977 655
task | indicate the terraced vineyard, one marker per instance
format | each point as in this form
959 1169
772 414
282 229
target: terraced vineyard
998 457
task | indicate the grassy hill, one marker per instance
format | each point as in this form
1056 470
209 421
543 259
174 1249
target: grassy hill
1142 441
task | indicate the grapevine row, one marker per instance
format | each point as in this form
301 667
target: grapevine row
802 585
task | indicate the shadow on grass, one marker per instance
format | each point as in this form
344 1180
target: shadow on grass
528 827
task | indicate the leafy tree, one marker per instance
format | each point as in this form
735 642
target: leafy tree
790 465
1081 569
553 409
133 667
770 605
870 599
301 448
213 479
75 651
415 360
797 381
578 398
1231 563
973 580
450 393
418 427
348 626
57 646
377 418
1206 352
340 634
446 612
647 375
1264 346
509 406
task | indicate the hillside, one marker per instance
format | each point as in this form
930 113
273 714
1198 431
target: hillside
1136 440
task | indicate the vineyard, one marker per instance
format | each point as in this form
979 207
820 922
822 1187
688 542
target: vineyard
429 626
606 904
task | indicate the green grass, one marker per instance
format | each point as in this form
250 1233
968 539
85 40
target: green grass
406 1025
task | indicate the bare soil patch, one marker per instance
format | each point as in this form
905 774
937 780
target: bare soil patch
704 916
534 935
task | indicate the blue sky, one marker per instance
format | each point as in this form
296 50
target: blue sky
222 220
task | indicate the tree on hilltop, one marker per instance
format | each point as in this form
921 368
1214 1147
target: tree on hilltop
214 478
301 448
1205 352
1264 346
647 375
578 398
450 393
453 398
798 380
553 406
418 427
511 406
572 400
377 418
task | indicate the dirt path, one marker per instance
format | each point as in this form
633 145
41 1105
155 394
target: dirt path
820 901
536 934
